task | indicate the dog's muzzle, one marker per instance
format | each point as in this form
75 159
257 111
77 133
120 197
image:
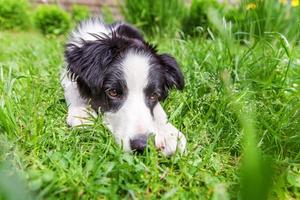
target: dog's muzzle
139 143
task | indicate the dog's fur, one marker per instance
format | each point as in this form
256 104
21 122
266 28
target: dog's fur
113 70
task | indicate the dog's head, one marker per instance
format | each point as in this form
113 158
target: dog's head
125 78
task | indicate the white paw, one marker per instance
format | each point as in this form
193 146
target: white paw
168 139
79 116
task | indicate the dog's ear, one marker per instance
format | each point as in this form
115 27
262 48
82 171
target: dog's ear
89 60
172 72
129 32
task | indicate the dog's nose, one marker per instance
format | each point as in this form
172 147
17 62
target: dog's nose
139 143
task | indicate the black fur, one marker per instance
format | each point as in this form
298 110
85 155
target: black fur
164 75
128 31
173 75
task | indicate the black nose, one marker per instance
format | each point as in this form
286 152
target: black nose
139 143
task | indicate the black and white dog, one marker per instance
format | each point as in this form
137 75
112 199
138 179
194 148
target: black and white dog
113 70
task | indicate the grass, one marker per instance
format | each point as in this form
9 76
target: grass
239 111
157 17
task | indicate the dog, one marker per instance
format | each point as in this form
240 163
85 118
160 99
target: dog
111 70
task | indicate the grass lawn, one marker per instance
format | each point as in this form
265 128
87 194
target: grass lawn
239 111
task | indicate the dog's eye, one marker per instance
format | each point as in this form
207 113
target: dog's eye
153 97
112 93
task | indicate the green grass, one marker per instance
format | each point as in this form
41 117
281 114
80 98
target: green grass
156 16
239 111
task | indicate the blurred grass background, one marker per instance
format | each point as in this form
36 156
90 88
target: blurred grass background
239 110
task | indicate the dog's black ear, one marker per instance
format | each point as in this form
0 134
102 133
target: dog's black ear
129 32
173 74
89 59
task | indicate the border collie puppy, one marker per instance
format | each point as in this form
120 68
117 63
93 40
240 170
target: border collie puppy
114 71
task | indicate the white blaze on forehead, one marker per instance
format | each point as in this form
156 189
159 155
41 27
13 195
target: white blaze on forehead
136 69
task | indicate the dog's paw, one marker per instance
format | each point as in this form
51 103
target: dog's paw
78 116
168 139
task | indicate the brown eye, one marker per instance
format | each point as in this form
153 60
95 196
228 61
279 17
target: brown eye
153 97
112 93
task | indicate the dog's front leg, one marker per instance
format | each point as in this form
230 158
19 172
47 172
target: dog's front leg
78 108
167 137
